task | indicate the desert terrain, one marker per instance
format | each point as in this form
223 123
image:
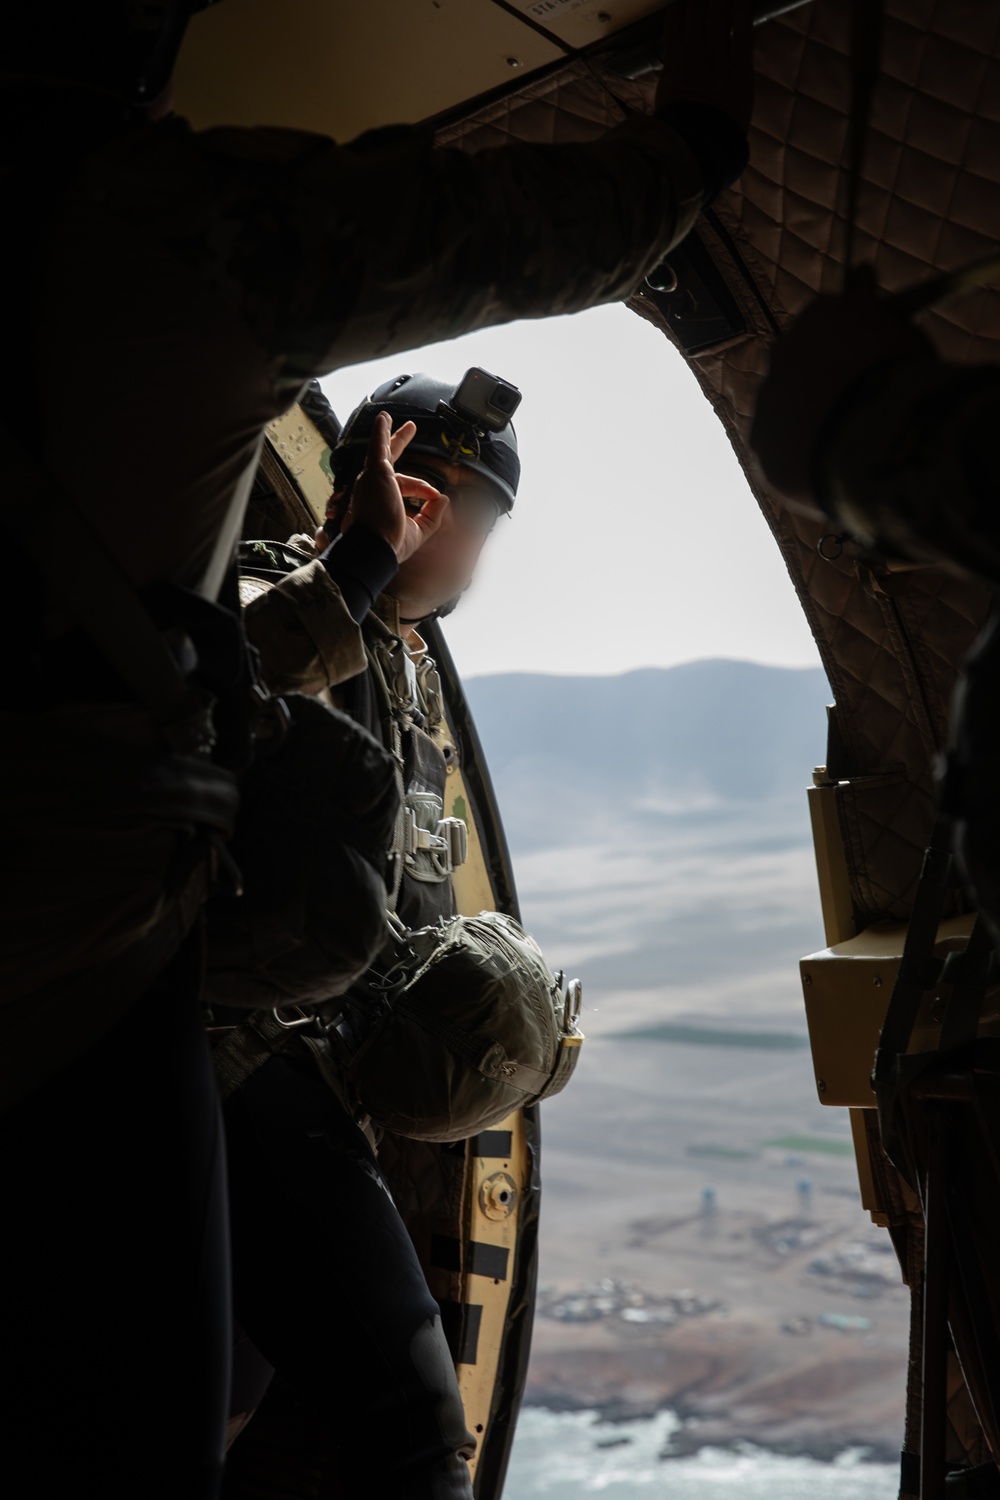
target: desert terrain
703 1244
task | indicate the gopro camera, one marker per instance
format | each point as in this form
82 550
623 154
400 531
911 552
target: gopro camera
488 400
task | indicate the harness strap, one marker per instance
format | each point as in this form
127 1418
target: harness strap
245 1049
918 968
390 704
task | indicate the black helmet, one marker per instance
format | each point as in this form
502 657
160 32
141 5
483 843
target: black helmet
467 424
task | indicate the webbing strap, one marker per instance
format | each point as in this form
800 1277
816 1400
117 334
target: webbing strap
246 1049
918 968
391 708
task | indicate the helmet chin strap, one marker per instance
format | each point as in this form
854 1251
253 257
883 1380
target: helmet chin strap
434 614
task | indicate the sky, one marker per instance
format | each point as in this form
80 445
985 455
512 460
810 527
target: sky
635 540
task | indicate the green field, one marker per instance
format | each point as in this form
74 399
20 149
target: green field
716 1036
820 1145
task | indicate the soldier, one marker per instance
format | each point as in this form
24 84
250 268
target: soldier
290 1196
175 292
862 421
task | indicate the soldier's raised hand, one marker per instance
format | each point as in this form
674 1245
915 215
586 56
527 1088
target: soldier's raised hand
401 508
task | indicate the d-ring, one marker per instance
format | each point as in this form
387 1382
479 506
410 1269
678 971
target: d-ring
838 542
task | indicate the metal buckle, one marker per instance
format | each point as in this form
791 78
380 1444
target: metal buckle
396 927
303 1020
572 998
456 835
448 845
269 716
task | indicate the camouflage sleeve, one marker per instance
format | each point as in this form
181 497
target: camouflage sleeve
307 638
912 461
337 254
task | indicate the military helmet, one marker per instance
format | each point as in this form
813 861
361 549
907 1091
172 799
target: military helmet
467 424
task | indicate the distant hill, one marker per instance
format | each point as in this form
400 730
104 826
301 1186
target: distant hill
573 756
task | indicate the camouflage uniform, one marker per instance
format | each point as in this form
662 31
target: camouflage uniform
175 292
295 617
307 641
908 463
187 285
403 1397
192 283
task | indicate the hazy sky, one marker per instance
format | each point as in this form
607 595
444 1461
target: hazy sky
635 540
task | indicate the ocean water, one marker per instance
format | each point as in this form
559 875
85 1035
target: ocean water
559 1455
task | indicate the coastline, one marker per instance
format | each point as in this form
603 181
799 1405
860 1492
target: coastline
731 1383
568 1455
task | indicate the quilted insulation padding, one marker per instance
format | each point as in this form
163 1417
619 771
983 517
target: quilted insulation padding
930 201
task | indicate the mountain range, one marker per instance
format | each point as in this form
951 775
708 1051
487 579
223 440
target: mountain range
659 828
680 742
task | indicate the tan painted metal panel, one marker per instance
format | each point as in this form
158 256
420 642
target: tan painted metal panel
487 1220
342 68
870 1199
831 864
846 989
578 23
493 1197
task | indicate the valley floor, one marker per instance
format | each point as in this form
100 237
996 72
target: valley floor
704 1247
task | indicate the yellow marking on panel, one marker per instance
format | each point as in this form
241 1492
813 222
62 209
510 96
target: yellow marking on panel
474 893
831 864
476 1382
870 1199
473 888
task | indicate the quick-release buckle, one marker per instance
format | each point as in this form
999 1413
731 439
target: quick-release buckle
401 677
456 833
301 1020
448 845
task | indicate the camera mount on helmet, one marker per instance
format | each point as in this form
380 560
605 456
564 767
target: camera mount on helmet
468 424
485 399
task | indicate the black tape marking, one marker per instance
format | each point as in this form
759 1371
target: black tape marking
492 1143
481 1259
460 1321
488 1260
